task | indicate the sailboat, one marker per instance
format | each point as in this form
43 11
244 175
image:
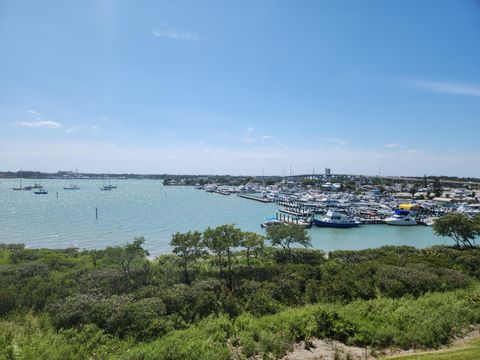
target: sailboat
20 187
71 186
108 187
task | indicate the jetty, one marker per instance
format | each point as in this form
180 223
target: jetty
256 198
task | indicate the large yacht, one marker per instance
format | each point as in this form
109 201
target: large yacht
401 217
335 219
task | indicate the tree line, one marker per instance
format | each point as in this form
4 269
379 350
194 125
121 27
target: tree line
222 240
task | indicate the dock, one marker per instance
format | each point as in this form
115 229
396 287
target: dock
256 198
372 221
221 192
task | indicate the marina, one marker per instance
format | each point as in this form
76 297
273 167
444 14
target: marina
147 208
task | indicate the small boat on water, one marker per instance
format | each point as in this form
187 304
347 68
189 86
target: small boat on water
336 219
271 222
301 222
41 192
37 186
71 187
17 188
106 188
401 218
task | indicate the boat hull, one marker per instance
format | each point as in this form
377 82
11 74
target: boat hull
321 223
401 222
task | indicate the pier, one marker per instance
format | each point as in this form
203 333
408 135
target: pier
256 198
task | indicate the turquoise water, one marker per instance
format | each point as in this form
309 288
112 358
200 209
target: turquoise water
147 208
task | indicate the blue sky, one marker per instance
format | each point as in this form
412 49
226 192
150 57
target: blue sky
241 87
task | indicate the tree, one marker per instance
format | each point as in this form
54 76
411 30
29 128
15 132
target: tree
413 190
128 256
222 240
188 247
437 187
252 241
459 227
287 234
214 244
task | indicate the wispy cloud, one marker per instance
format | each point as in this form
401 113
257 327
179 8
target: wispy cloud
33 112
447 87
71 130
336 141
248 139
266 137
176 34
394 146
40 123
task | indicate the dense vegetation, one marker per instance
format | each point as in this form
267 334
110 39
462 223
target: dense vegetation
222 294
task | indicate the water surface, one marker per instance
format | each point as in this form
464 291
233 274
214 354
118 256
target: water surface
147 208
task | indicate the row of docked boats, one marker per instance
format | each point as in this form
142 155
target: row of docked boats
334 218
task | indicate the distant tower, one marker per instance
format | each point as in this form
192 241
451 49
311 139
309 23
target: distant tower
328 173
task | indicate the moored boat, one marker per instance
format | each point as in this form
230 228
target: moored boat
336 219
71 187
401 218
271 222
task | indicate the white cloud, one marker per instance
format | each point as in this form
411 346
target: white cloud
447 87
33 112
393 146
176 34
95 128
266 137
71 130
250 129
40 123
197 159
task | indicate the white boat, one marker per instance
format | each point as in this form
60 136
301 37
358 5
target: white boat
271 222
401 217
336 219
210 188
19 187
71 187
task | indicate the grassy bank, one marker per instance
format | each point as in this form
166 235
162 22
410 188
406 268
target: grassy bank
115 303
467 351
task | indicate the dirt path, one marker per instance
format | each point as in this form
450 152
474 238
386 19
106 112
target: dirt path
334 350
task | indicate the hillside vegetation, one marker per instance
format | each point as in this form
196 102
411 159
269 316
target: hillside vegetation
116 303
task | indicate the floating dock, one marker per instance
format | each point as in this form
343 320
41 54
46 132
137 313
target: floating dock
256 198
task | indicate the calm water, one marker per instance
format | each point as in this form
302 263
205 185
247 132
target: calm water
146 207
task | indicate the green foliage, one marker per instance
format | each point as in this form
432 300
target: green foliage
462 229
100 304
437 187
252 242
129 258
188 247
287 234
205 341
222 240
